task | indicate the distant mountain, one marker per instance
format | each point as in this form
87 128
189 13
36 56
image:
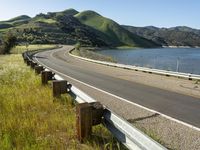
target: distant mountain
14 22
113 32
19 18
176 36
70 27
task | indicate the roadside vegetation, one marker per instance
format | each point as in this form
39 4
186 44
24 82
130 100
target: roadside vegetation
22 48
8 42
30 118
91 54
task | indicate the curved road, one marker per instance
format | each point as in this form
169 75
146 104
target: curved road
182 107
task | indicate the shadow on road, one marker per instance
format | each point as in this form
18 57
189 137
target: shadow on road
142 118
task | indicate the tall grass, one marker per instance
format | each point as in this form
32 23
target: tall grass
31 119
23 48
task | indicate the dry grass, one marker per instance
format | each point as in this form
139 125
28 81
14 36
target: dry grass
31 119
23 48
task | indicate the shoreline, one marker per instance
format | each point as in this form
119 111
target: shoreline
140 68
172 46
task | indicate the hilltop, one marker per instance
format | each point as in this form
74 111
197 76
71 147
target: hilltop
14 22
176 36
69 27
113 32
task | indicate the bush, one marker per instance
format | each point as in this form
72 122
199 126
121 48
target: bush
9 41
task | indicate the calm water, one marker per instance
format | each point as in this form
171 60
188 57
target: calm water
174 59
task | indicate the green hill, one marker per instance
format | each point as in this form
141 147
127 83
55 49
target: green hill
115 34
56 28
69 27
19 18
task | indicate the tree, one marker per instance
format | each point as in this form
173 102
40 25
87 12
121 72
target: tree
9 41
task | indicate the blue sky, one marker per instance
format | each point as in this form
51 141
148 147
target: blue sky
161 13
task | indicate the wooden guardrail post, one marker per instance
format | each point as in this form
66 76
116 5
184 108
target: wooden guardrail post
97 113
38 69
33 64
84 121
59 87
87 115
28 62
25 60
46 76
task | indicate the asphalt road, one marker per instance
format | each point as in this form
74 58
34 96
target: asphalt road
182 107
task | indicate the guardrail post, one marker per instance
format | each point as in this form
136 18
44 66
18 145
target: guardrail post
33 64
38 69
28 62
88 115
97 113
46 76
84 121
25 60
59 87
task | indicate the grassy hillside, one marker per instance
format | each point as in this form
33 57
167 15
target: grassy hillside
19 18
69 27
56 28
14 22
115 34
68 12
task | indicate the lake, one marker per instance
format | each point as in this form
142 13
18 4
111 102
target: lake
185 60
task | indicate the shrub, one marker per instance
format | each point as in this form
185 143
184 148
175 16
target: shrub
9 41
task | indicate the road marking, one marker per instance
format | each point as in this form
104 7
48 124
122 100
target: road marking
118 97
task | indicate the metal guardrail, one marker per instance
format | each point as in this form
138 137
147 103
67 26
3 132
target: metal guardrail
143 69
127 134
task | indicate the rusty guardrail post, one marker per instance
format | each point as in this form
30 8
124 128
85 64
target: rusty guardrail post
88 115
38 69
46 76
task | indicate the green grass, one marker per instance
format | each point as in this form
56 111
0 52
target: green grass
23 48
49 21
19 18
70 11
115 33
4 30
126 47
30 118
92 55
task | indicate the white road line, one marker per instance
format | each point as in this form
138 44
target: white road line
120 98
